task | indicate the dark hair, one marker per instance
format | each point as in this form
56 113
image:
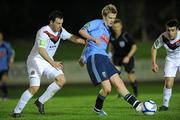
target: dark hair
172 23
55 14
117 20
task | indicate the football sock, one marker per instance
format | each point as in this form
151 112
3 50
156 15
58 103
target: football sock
135 88
166 96
25 97
99 102
50 91
132 100
4 88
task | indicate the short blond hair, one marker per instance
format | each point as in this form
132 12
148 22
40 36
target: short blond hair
109 9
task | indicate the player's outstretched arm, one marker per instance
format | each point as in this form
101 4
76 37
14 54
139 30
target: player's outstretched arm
86 35
76 39
155 67
45 55
81 60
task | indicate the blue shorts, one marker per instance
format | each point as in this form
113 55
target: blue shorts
100 68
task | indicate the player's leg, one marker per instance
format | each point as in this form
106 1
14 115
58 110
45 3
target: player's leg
103 93
52 88
4 87
26 96
129 68
167 92
121 88
96 67
170 70
35 70
59 81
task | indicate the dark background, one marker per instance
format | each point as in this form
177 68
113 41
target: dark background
145 19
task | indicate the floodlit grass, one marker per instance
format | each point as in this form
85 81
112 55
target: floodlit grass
75 102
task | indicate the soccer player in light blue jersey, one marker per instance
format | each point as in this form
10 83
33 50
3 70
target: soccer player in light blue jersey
6 61
100 69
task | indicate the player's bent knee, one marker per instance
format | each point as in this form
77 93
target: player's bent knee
60 80
33 89
107 90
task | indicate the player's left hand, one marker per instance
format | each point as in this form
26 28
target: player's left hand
81 63
126 60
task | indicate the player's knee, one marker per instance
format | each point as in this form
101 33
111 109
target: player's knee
33 89
169 83
60 80
107 90
4 78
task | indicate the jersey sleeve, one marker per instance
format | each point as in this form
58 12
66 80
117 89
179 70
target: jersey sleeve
42 39
65 35
158 43
91 25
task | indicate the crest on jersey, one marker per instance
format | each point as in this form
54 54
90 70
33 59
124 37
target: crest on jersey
121 44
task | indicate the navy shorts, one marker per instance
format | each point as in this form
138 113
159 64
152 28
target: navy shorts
129 67
3 72
100 68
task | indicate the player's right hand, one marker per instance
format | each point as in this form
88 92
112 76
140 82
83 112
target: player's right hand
58 65
155 68
97 41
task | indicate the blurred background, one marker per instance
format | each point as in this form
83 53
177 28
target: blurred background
144 19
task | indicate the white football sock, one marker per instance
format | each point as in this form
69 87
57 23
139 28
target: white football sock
25 97
50 91
166 96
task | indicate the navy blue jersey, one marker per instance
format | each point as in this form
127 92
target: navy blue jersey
6 52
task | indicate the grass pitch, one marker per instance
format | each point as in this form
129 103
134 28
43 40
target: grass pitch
75 102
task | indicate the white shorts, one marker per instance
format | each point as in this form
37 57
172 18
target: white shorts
172 66
36 67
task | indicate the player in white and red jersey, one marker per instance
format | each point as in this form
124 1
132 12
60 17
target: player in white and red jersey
40 61
170 39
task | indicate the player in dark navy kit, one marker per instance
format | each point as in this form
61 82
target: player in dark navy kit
101 70
6 61
122 48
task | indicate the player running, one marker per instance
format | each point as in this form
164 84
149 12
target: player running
170 39
40 61
100 69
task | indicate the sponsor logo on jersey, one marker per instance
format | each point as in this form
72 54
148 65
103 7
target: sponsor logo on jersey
53 46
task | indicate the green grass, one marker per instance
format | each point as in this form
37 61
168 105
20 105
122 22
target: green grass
76 102
71 51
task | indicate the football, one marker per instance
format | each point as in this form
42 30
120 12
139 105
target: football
150 107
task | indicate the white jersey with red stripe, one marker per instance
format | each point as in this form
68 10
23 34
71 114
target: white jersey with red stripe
172 46
49 40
